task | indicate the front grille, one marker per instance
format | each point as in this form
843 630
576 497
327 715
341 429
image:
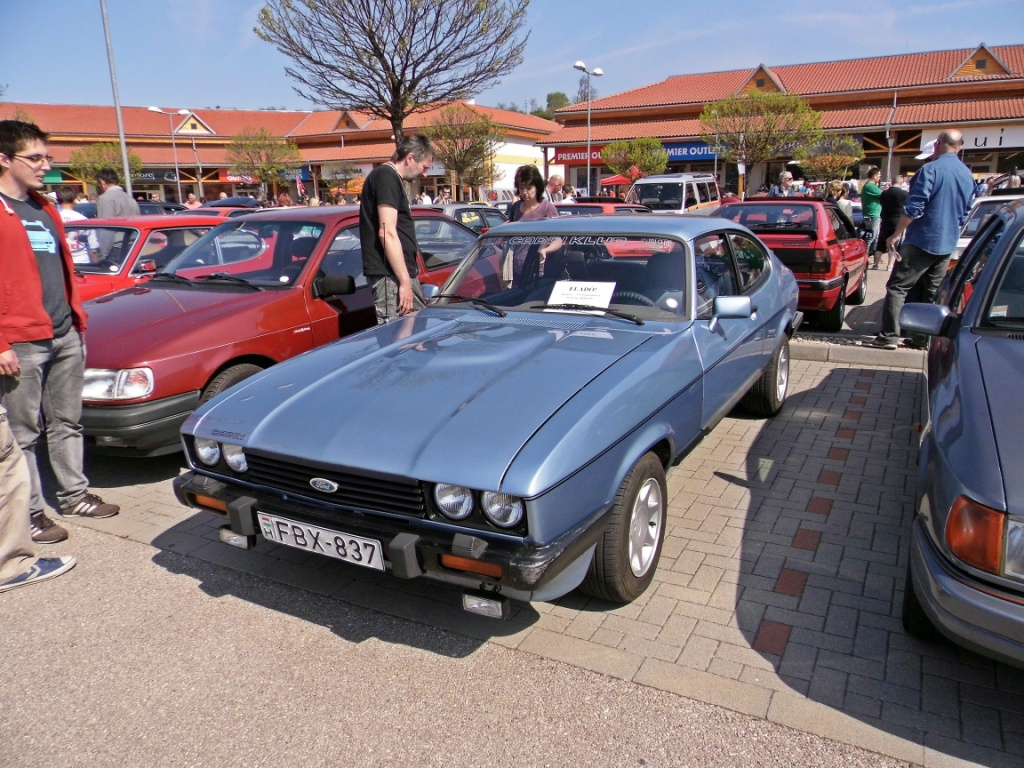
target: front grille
383 493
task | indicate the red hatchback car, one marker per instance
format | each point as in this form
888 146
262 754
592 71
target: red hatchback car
111 254
252 292
819 243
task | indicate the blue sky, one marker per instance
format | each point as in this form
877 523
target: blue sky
203 53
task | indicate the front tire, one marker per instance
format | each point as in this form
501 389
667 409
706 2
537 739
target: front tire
915 620
228 378
768 394
627 554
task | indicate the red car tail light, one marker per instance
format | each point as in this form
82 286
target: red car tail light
974 533
821 262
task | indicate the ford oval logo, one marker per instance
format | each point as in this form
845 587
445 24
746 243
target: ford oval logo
323 485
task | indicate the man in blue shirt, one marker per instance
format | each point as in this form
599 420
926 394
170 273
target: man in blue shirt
936 208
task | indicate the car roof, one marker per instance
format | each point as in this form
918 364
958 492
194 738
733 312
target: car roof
148 222
318 213
682 227
779 201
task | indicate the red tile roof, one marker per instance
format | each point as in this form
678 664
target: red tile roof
883 72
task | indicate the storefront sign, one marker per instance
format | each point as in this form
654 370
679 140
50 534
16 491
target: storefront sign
223 174
293 174
990 137
156 176
689 150
578 155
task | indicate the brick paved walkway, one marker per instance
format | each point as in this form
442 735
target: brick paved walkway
778 593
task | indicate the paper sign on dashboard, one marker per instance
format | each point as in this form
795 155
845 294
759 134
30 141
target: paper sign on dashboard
579 292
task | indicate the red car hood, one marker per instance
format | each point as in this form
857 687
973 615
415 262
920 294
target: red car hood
143 324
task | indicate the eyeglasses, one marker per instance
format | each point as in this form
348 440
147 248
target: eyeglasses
36 159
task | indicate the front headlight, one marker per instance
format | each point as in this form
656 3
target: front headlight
123 384
1013 553
207 451
454 501
234 456
503 510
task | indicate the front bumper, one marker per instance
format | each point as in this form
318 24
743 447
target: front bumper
971 613
413 549
144 429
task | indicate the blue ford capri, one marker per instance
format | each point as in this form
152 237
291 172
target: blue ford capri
511 439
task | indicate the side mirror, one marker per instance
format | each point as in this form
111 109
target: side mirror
929 319
145 267
429 291
333 285
735 307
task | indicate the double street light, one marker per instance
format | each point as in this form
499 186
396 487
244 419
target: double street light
596 72
174 146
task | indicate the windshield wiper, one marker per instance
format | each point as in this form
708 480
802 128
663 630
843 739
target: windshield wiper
476 302
226 278
588 308
171 276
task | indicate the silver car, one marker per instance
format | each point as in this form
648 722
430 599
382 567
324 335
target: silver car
965 578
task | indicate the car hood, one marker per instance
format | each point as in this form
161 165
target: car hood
142 324
1002 368
455 400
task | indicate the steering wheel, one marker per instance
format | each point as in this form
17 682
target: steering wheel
639 297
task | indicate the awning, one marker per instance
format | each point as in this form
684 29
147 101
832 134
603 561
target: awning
616 179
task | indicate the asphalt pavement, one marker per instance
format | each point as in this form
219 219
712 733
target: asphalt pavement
770 636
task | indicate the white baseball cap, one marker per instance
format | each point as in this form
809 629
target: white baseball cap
927 151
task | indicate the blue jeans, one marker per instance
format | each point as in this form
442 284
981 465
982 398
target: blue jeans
915 266
49 392
871 225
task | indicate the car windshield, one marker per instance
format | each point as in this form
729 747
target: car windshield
979 215
265 253
98 250
1007 307
642 276
657 197
769 216
442 242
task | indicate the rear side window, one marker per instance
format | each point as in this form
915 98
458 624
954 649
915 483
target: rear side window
1007 307
843 232
750 259
345 256
702 190
715 275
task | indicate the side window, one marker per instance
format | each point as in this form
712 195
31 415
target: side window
1007 307
471 219
970 266
839 225
345 256
691 195
713 190
702 190
715 274
163 245
750 258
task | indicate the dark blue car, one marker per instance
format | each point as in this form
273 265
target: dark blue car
965 577
511 439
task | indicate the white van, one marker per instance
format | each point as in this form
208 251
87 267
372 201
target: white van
694 193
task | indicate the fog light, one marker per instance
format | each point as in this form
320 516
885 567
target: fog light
110 442
491 606
236 539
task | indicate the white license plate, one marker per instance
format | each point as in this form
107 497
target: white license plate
311 538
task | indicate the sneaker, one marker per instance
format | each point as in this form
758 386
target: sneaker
914 343
91 505
881 342
44 530
42 569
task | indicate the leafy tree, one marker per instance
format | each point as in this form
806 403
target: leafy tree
830 157
465 141
555 101
261 154
757 127
636 157
392 58
85 163
581 90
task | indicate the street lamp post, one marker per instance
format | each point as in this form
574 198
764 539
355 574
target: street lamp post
596 72
174 146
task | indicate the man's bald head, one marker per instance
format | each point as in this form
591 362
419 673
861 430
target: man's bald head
950 140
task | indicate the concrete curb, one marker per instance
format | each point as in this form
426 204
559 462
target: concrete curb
825 352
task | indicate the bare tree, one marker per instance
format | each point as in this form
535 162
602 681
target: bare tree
465 142
582 94
261 154
392 58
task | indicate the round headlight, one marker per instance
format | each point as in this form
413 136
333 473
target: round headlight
235 457
503 510
454 501
207 451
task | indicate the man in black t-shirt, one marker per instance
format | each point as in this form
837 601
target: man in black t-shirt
386 230
892 201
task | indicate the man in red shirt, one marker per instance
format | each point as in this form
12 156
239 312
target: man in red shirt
42 357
